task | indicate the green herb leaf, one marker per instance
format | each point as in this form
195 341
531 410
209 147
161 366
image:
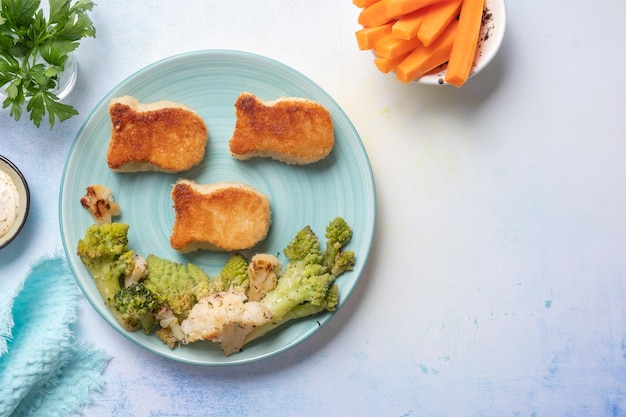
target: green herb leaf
14 100
59 11
55 51
79 25
9 68
44 101
33 53
19 13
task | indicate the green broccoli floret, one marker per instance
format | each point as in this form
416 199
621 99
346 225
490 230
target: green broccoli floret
135 307
104 253
177 285
234 273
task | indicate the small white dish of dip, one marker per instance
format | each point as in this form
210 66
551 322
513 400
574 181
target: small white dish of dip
14 201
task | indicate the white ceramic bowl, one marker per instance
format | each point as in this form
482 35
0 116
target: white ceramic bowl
491 36
24 200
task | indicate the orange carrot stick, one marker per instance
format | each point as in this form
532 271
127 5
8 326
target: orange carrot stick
406 26
386 65
366 38
437 19
392 47
425 58
363 3
465 42
384 11
396 8
374 15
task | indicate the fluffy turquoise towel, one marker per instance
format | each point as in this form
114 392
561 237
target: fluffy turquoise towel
44 371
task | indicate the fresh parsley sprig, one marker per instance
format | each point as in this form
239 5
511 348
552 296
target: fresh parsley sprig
33 53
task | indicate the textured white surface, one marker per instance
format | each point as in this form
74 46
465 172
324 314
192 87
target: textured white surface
495 286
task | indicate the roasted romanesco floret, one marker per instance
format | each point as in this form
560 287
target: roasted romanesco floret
338 234
305 278
104 253
300 311
234 274
177 285
306 286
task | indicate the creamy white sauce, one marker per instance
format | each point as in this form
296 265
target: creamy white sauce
9 202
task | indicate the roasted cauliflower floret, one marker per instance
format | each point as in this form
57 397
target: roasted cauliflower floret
170 332
263 272
99 202
226 318
140 270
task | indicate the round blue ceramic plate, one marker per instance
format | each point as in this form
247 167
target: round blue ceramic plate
209 82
